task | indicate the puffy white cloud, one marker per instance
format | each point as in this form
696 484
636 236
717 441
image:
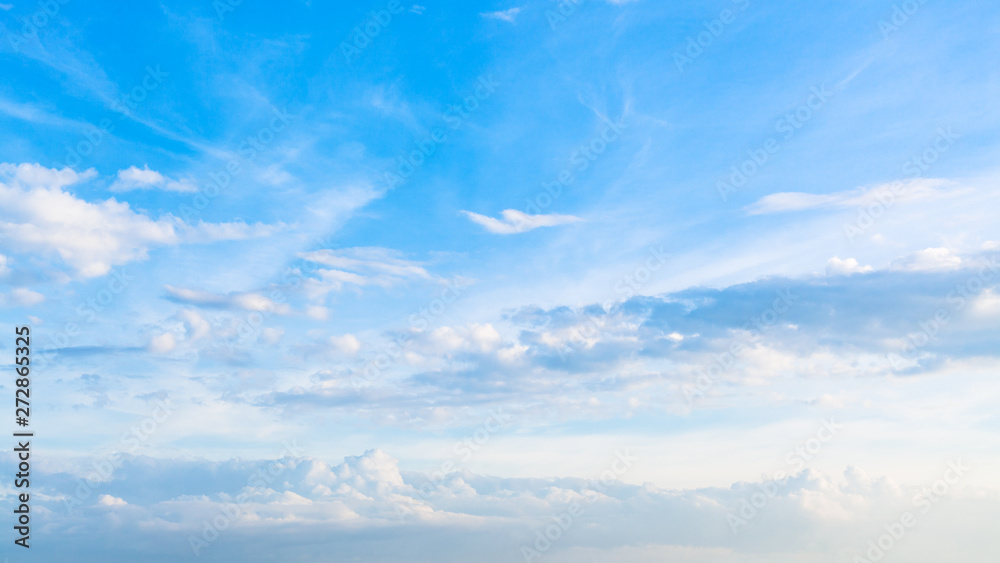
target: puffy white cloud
987 304
515 221
346 344
846 266
197 327
266 509
90 237
135 178
21 297
4 268
108 500
163 343
929 259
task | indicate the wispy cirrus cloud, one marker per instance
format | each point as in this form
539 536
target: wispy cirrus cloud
233 301
508 15
514 221
909 190
362 266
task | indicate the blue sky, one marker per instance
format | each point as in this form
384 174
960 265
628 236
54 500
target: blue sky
439 267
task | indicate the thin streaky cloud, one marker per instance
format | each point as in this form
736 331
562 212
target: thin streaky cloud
508 15
514 221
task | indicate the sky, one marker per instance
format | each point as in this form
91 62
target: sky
576 280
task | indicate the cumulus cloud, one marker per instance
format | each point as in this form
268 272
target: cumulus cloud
21 297
848 266
162 343
515 221
135 178
896 192
346 344
508 15
4 268
837 326
91 237
195 325
929 259
162 507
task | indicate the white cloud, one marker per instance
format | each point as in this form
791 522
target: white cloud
505 15
515 221
346 344
4 268
108 500
362 267
22 297
162 343
464 516
272 335
6 7
244 301
368 259
836 266
987 304
474 337
91 237
25 297
895 192
928 259
134 178
318 312
196 326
